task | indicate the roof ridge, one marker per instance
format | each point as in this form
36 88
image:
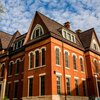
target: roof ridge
88 30
6 33
49 18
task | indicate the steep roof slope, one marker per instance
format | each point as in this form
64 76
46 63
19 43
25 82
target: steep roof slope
5 39
86 37
52 25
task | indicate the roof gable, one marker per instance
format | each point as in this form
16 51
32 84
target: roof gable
5 39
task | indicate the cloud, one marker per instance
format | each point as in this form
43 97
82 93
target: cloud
83 14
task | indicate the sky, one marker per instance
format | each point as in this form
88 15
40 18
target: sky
82 14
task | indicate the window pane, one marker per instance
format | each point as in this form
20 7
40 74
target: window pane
58 85
81 64
42 84
30 86
31 60
57 56
10 68
66 60
74 62
37 32
37 59
43 56
68 86
8 90
84 88
17 67
76 87
16 90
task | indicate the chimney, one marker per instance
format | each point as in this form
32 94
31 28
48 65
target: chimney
78 31
67 25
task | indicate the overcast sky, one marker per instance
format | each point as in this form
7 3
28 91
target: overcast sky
82 14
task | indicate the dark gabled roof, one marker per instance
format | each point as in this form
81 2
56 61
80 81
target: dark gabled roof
5 39
52 25
86 37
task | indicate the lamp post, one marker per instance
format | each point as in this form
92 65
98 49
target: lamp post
96 75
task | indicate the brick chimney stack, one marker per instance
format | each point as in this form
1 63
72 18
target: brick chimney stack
78 31
67 25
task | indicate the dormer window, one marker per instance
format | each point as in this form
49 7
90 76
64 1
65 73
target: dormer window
37 31
68 35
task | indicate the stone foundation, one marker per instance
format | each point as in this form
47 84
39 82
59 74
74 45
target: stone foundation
55 97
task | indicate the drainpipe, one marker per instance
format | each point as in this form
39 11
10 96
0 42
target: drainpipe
64 70
96 75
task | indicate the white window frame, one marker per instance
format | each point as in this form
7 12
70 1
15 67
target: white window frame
42 74
57 47
28 84
36 27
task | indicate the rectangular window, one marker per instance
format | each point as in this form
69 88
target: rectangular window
73 39
68 86
84 87
66 60
42 85
8 90
58 84
30 86
81 64
57 56
76 87
74 62
19 44
16 90
69 36
43 56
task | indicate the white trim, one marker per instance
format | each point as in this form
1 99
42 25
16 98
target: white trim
67 52
69 76
55 47
58 74
43 48
17 60
83 79
11 62
42 74
35 28
73 54
30 53
16 81
81 57
8 82
76 77
30 76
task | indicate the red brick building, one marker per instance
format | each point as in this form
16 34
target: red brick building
49 62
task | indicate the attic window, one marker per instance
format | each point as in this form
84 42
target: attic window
69 36
95 47
37 31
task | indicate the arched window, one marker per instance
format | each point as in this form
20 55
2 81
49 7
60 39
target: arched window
30 60
37 31
96 66
57 56
37 58
74 62
81 64
17 66
66 59
43 56
10 68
